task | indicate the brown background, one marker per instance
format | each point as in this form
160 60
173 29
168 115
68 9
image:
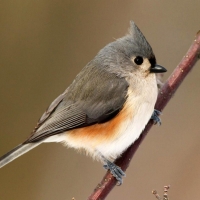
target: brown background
43 45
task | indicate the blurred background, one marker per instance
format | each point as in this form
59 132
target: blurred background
43 45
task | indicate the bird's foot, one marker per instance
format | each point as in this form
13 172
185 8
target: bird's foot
116 171
155 117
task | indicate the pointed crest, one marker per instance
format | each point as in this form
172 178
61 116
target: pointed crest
140 41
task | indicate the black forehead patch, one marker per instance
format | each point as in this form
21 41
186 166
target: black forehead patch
152 60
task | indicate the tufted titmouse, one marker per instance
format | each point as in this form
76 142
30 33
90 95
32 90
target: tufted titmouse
106 107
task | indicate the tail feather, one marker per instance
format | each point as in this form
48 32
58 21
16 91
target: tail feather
16 152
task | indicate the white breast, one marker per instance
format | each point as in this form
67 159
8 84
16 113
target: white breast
142 106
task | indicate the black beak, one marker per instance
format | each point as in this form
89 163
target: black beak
157 69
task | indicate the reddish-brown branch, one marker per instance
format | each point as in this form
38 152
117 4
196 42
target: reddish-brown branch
165 94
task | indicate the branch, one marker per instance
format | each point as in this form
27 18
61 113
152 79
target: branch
165 94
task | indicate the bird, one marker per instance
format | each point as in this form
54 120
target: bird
107 106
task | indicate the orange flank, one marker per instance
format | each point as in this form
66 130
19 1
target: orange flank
102 133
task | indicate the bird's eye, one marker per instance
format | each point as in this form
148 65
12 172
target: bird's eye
138 60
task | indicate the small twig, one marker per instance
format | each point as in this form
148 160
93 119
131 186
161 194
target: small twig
154 192
165 195
165 94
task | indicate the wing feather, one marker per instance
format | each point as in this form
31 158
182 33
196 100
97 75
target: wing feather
95 96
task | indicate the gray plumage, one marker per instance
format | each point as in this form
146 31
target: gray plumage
85 103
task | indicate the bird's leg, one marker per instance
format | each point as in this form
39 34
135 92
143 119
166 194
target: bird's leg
155 117
116 171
